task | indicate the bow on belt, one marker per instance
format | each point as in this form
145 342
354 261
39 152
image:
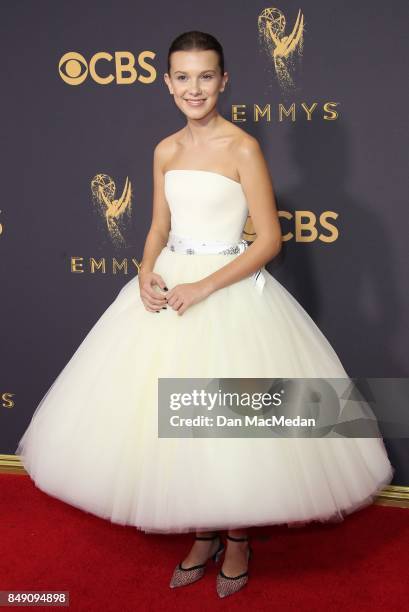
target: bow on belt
192 246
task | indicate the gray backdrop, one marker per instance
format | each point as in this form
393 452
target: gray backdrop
57 137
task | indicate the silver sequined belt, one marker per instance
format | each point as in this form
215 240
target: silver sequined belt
192 246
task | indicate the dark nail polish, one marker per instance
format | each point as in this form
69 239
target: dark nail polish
164 307
166 289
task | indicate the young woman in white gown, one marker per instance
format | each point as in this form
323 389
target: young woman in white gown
93 439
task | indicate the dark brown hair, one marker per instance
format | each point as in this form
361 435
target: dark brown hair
194 40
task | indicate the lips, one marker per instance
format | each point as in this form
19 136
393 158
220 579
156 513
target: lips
195 101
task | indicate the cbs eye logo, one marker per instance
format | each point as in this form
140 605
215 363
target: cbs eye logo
104 68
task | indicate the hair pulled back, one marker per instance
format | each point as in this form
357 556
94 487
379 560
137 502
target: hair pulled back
200 41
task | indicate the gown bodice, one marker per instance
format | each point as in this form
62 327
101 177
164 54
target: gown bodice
205 204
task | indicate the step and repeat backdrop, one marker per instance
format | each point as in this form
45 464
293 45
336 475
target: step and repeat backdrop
320 84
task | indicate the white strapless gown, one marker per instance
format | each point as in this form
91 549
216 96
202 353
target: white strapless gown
93 439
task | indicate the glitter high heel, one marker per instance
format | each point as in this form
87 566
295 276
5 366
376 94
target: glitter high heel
227 585
183 576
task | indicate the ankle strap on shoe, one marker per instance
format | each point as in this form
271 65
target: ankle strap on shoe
229 537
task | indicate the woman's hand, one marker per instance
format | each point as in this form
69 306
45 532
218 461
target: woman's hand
184 295
150 296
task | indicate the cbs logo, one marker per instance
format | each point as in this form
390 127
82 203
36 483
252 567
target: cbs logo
121 67
305 225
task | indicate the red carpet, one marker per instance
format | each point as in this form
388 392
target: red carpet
360 564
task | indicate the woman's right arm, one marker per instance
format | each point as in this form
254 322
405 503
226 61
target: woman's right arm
159 231
157 236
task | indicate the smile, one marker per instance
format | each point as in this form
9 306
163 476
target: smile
195 102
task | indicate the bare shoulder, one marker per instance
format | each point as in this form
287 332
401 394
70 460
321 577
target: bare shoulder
242 145
166 148
249 157
246 146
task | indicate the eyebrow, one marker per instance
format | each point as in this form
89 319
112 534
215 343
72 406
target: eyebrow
209 70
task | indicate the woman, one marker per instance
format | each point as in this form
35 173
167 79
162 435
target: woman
221 315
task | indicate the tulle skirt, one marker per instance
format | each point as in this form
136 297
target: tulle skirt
93 439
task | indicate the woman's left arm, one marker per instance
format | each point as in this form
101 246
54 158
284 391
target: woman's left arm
258 189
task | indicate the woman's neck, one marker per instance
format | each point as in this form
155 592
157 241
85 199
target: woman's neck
199 131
